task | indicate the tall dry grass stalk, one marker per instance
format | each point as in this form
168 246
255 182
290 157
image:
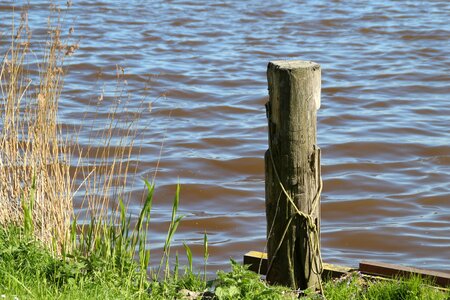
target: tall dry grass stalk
34 159
106 162
41 168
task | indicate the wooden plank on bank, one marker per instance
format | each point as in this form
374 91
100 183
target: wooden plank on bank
335 271
390 270
257 262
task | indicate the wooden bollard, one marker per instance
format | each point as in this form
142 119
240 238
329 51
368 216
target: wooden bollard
293 180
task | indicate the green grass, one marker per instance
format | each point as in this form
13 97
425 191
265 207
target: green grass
108 260
241 283
28 270
358 287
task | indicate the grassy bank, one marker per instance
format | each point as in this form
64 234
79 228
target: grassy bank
29 271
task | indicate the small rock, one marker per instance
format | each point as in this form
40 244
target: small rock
189 295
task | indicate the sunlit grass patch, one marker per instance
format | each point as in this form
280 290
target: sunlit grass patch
356 286
113 264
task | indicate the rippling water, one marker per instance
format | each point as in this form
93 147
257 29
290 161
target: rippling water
383 126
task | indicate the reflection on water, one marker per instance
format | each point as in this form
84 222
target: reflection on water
383 124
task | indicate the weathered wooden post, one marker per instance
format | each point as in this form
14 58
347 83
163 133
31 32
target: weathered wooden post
293 180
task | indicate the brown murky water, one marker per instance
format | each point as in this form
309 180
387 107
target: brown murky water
383 126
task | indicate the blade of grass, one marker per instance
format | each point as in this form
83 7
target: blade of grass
172 229
189 257
205 253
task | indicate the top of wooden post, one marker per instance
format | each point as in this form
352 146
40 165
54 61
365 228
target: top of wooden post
299 66
294 64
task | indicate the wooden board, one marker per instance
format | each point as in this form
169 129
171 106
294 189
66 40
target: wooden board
257 262
391 271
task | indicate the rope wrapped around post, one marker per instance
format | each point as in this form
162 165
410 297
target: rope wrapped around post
313 232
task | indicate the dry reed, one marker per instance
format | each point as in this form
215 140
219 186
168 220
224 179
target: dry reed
34 167
105 162
41 168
